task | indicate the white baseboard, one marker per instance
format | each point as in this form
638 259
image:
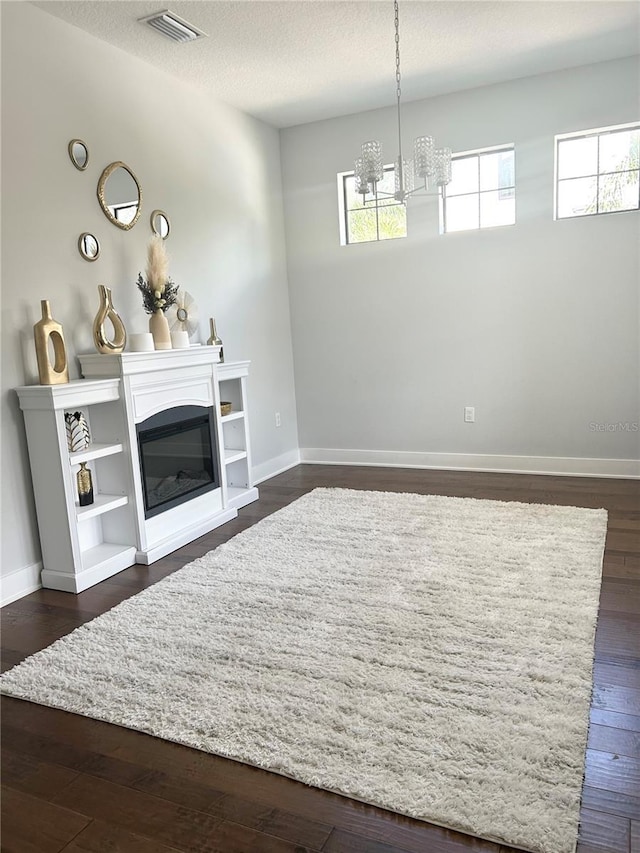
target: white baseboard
275 466
21 582
555 465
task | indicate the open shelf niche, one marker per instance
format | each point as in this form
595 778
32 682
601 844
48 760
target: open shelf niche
236 444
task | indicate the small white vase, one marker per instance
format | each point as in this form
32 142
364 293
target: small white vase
77 428
159 328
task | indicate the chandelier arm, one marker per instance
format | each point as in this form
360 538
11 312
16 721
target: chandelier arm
376 195
422 191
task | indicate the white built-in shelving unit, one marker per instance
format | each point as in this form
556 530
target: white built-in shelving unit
84 545
236 444
80 545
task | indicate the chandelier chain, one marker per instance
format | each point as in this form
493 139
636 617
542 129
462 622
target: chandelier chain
400 165
397 22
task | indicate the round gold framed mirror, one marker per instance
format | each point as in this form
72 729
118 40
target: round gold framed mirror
160 224
79 154
120 195
88 246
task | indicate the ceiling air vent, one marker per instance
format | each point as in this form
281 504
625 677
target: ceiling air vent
173 27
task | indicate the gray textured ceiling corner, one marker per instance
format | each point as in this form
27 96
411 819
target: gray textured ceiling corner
289 62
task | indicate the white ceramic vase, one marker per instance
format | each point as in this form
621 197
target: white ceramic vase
159 328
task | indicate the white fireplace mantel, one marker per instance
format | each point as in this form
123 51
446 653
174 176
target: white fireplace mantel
98 366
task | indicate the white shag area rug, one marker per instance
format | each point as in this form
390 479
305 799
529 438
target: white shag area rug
430 655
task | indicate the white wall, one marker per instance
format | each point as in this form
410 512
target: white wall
535 325
214 170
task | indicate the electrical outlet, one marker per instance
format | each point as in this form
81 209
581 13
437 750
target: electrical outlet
469 414
278 420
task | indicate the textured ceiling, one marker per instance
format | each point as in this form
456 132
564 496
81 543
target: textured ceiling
294 61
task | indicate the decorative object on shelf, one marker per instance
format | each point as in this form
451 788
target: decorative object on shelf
160 224
141 342
108 312
46 330
225 408
180 339
432 166
120 195
78 436
79 154
214 340
183 315
88 246
85 485
159 328
158 292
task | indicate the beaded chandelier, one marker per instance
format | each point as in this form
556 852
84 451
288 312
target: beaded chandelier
429 170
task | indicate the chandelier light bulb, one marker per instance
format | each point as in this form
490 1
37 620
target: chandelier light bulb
405 179
442 158
372 161
423 156
361 182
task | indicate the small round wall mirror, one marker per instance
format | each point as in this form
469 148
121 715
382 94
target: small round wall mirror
88 246
119 195
79 154
160 224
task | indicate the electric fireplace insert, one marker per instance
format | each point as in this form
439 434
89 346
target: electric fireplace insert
178 458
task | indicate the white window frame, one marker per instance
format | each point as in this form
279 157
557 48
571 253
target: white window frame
343 211
477 152
584 134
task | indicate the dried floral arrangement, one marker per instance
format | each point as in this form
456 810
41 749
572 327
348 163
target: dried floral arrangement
158 291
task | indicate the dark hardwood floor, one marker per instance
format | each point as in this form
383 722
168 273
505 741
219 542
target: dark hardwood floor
81 786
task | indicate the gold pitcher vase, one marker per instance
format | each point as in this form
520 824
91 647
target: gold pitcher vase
106 311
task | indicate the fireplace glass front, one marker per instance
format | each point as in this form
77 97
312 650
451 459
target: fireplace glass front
178 459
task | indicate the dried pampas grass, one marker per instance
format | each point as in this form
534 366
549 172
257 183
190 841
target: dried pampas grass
158 291
157 264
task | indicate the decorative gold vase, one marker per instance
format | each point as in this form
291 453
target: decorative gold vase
85 485
46 330
214 340
107 312
159 328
